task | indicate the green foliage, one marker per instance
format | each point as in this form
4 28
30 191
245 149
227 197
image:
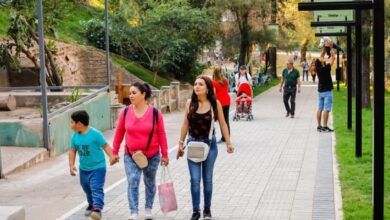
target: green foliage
6 59
166 39
76 95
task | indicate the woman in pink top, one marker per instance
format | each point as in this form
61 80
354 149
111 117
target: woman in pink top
136 128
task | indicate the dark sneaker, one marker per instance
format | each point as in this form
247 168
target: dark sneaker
89 210
319 128
287 114
96 214
326 129
207 214
195 215
292 116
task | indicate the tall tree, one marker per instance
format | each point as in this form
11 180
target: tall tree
249 16
24 36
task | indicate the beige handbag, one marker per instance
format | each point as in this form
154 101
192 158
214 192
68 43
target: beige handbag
140 159
197 151
139 156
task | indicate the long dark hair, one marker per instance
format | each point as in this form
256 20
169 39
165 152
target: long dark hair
210 96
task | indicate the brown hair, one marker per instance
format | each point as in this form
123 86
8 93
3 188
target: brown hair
194 105
218 76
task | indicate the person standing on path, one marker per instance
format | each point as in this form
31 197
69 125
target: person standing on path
221 89
137 124
197 124
289 83
305 70
325 91
313 70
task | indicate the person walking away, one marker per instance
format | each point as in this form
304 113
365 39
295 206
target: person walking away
143 128
290 81
305 70
325 91
197 124
313 70
89 143
221 89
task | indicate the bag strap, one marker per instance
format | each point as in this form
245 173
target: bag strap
155 120
212 124
165 175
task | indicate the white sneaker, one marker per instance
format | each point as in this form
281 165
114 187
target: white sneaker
133 216
148 214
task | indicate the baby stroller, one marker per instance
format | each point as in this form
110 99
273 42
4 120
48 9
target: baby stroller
244 103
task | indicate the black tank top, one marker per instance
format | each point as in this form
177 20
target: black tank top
199 125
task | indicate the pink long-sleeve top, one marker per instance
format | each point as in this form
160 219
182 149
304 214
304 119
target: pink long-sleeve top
136 132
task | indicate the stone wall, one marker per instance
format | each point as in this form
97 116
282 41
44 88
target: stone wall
80 65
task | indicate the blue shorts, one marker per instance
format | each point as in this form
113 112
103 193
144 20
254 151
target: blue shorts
325 101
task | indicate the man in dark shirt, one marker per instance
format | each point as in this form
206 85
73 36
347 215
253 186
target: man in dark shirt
290 80
325 91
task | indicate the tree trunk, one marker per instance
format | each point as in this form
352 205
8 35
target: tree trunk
366 101
366 34
304 50
353 59
244 47
7 102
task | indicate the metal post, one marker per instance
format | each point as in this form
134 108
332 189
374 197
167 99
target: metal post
107 43
349 77
338 73
43 76
379 105
358 124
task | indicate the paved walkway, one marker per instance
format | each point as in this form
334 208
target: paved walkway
282 169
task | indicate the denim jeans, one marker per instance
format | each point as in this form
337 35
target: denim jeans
92 183
205 170
133 173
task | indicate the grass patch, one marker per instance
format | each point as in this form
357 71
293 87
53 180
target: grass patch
140 72
70 29
4 22
356 174
260 89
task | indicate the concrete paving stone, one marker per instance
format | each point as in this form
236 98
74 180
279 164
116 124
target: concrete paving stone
275 172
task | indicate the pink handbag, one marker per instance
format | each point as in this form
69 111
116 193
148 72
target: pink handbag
166 192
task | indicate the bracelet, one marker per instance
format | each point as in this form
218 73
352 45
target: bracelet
181 142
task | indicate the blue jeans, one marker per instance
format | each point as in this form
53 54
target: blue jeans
205 170
133 173
92 183
325 101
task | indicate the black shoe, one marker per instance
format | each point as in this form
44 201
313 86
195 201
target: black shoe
96 214
287 114
326 129
292 115
89 210
319 128
207 214
195 215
